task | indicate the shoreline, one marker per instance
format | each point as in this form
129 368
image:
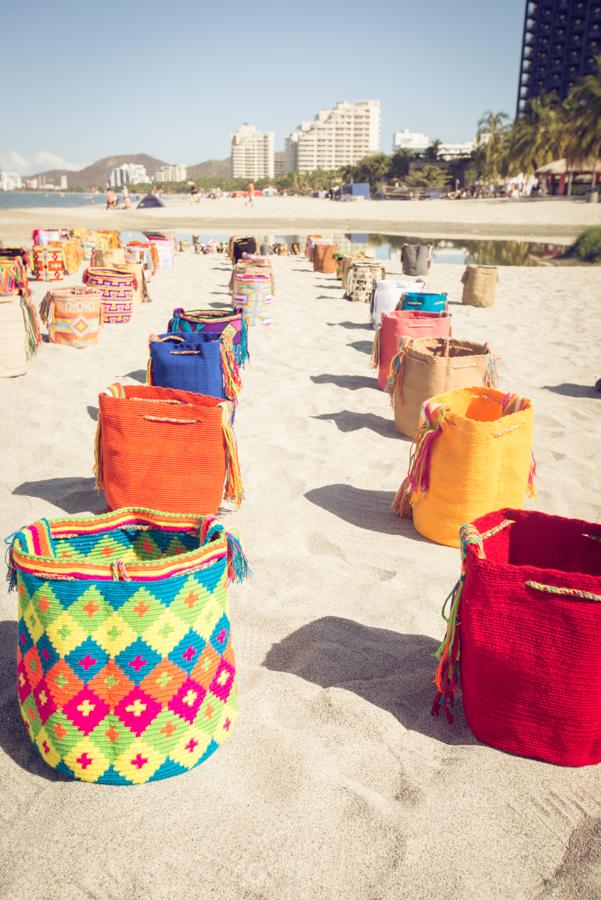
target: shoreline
545 221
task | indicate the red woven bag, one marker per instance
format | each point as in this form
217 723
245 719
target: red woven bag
166 449
525 629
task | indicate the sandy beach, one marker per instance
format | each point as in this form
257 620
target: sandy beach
337 782
557 220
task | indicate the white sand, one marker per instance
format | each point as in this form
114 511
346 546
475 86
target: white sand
337 783
554 219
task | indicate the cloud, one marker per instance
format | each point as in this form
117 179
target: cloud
13 161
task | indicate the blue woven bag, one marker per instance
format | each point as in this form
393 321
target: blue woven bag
424 302
194 362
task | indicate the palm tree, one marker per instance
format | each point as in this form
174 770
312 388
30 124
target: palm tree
490 141
585 104
433 150
537 138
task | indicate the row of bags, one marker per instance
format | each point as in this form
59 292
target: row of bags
126 668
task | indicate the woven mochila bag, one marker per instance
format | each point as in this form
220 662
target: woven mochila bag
215 323
125 665
48 262
103 258
388 294
403 323
165 250
73 315
195 362
169 449
238 246
416 258
479 285
424 367
472 453
248 268
13 274
72 254
362 278
424 301
524 627
252 296
117 289
323 257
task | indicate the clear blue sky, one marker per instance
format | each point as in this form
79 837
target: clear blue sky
175 79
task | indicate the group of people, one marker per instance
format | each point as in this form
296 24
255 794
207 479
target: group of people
112 200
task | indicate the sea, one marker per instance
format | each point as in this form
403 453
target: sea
38 199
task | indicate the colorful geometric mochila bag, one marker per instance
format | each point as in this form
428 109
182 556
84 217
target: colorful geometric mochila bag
73 315
253 296
472 454
48 262
424 367
166 449
194 363
126 670
524 627
214 323
117 290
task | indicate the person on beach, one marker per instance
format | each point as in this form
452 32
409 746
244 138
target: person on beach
126 200
111 199
250 200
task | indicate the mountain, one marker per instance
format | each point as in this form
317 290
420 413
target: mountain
211 168
97 174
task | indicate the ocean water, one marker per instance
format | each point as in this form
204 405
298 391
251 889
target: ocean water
38 199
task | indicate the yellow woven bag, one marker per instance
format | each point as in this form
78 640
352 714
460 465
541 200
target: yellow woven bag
472 455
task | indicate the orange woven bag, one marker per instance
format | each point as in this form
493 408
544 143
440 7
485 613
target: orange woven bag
169 449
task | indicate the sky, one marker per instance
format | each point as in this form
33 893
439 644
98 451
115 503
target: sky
88 80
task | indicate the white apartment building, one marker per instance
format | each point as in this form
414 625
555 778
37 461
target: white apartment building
10 181
128 173
252 153
416 141
336 137
171 173
419 141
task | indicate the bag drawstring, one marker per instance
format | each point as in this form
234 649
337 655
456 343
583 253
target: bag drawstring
231 374
394 384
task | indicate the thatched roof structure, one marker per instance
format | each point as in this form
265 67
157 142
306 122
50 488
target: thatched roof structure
560 167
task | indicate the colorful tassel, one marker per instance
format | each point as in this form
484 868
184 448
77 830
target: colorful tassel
446 677
375 353
234 489
397 370
491 377
231 374
418 475
238 567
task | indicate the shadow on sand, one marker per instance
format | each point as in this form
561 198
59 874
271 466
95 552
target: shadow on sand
567 389
370 510
392 671
352 382
346 420
73 495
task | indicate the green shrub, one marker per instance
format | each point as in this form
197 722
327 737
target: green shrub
588 244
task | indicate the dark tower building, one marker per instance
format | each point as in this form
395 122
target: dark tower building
560 43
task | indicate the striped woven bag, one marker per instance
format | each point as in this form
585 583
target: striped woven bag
252 294
472 454
194 363
168 449
125 665
117 289
214 323
524 626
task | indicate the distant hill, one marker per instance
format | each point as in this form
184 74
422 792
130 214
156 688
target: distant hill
97 174
212 168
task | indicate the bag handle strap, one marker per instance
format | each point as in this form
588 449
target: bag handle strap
563 591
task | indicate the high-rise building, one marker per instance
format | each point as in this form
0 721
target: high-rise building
10 181
418 141
336 137
252 154
560 43
128 173
171 173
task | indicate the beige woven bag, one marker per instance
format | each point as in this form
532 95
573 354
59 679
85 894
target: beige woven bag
479 285
424 367
13 338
